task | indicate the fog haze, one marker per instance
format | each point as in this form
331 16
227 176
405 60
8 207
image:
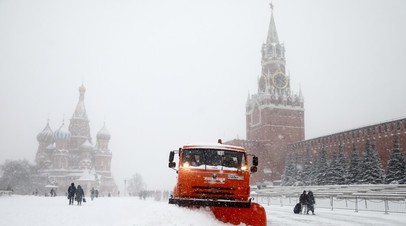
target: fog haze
164 73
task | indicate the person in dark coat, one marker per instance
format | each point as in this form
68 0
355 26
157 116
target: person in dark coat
71 193
92 193
303 201
80 194
310 202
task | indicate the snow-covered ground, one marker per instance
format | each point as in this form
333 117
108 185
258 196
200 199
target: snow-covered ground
32 210
284 216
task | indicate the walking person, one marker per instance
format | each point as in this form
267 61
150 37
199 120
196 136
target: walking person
303 202
92 193
310 202
80 194
52 192
71 193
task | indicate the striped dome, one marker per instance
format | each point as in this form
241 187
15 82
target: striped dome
62 134
46 135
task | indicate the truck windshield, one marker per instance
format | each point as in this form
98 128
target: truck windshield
213 158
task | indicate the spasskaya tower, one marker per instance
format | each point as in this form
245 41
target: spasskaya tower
275 114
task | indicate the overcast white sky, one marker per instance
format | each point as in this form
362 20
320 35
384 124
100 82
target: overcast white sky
163 73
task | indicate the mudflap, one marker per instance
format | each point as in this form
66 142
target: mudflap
255 215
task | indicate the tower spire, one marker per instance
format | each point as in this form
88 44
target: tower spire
80 111
79 123
272 33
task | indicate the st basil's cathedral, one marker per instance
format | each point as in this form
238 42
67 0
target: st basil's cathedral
68 155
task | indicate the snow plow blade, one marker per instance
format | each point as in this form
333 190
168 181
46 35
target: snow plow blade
255 215
208 202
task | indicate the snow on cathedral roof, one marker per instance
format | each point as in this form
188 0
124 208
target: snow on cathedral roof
87 175
86 146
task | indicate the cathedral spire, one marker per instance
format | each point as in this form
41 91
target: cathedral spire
80 111
272 33
79 124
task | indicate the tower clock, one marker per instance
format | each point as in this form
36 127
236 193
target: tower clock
280 80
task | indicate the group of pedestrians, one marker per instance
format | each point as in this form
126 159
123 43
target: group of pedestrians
52 192
94 193
307 202
76 194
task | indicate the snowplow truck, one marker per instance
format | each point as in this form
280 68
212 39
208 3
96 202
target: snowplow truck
216 176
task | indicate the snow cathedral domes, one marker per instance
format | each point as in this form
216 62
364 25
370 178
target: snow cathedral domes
62 134
86 146
103 134
46 135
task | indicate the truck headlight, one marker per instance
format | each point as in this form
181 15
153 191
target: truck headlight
243 168
186 165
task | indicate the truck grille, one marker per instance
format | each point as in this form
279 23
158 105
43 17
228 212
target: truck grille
213 191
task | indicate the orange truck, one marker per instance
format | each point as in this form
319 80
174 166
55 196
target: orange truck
217 176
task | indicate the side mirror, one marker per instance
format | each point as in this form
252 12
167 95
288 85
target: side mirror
171 156
255 161
254 167
172 164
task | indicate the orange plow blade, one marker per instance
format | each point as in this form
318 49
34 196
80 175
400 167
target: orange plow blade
255 215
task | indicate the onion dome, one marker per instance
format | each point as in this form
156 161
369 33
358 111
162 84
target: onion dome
103 134
62 134
86 146
46 135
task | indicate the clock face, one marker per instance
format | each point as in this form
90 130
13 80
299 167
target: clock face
280 80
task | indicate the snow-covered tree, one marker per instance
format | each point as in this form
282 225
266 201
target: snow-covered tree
314 171
18 176
396 165
372 171
322 167
331 176
298 177
290 172
308 175
337 171
354 169
136 184
341 164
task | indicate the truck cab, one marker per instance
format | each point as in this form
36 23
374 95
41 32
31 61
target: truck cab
212 175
